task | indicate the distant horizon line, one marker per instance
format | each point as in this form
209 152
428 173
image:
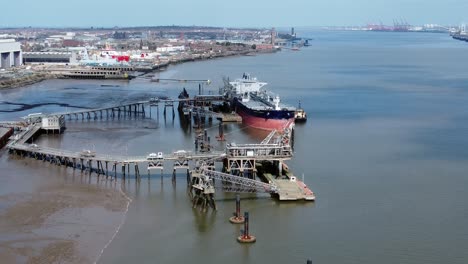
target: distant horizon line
191 26
158 26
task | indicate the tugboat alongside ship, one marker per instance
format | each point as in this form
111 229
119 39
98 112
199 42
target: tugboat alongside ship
300 115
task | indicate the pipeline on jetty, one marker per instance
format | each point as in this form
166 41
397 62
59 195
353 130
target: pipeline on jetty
244 165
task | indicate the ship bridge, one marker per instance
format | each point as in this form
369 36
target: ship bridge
247 84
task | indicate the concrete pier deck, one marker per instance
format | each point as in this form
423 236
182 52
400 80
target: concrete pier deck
28 133
290 190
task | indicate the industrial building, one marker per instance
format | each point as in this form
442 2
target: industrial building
53 124
49 57
10 53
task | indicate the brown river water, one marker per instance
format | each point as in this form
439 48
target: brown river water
384 149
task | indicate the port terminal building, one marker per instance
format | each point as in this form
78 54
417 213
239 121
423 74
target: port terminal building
53 124
49 57
10 53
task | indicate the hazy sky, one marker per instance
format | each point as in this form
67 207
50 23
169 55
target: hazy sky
242 13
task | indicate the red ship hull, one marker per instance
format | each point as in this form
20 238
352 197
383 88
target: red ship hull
265 123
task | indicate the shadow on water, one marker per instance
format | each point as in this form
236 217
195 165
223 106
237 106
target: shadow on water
24 106
250 198
203 221
185 124
294 204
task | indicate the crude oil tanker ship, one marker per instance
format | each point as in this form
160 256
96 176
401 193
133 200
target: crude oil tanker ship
257 107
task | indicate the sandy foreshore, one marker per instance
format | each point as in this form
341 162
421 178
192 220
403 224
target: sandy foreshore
67 223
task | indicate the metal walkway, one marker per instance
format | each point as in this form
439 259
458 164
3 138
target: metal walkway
240 158
240 184
25 135
275 146
91 155
134 108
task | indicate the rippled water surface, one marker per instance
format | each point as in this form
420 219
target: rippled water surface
385 150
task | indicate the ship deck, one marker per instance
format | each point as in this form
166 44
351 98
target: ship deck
257 104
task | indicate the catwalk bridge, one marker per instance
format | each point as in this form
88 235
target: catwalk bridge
197 105
239 160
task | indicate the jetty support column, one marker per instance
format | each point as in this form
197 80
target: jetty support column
237 218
